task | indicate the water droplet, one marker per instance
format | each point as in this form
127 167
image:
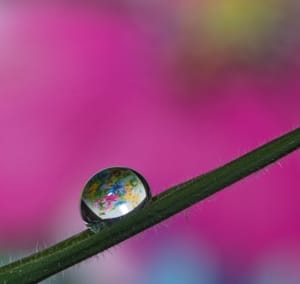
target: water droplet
111 194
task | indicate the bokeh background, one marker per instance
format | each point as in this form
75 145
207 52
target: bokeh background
171 89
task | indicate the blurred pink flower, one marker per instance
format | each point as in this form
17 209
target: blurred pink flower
84 89
68 81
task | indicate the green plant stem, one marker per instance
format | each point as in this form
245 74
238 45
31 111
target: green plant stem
43 264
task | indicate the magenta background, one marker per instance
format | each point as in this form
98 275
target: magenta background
84 88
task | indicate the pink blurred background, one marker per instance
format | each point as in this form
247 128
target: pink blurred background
172 90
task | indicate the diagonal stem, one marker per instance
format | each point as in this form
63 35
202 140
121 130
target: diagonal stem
43 264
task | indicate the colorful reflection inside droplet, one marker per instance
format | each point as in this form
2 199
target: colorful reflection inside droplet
113 193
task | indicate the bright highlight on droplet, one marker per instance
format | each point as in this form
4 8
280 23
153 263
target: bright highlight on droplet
124 209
